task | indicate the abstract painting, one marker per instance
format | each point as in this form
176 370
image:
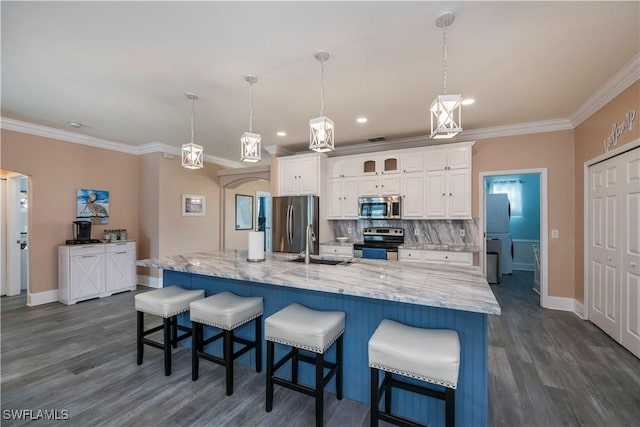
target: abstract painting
93 204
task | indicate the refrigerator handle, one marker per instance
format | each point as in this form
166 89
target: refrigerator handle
289 224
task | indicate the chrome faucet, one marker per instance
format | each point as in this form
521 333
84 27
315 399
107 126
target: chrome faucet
312 237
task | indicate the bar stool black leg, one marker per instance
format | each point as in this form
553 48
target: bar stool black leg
374 398
450 409
258 321
228 359
270 350
167 346
387 392
140 334
294 366
174 331
319 389
339 368
195 346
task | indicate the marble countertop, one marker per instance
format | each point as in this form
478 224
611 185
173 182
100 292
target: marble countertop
337 243
447 286
437 247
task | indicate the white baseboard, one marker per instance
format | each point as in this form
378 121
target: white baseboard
40 298
150 281
566 304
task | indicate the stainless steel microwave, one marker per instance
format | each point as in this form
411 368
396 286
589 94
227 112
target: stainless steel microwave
385 207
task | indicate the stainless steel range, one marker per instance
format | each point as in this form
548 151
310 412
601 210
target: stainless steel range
380 243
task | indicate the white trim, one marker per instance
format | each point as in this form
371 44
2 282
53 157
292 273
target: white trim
149 281
553 125
76 138
560 303
40 298
621 80
544 224
523 266
578 309
587 216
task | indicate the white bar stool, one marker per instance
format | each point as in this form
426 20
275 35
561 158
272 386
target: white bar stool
167 303
430 355
304 329
226 311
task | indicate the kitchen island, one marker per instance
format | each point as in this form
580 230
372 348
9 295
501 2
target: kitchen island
422 295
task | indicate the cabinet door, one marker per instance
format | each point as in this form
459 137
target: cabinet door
459 193
334 207
369 186
389 185
351 167
413 195
389 165
436 160
368 166
120 271
350 197
459 158
334 167
308 175
86 276
435 195
287 177
412 162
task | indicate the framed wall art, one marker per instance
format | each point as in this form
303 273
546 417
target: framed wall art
193 205
244 212
93 204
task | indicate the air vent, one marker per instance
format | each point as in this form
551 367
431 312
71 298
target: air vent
377 139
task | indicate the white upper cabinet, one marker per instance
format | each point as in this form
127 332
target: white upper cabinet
448 158
413 162
448 194
299 175
343 167
342 198
380 165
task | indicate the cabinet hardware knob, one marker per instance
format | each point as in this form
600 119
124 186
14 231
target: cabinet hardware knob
443 194
608 258
633 264
450 194
404 171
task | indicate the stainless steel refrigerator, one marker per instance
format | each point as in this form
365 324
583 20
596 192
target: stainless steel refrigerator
290 217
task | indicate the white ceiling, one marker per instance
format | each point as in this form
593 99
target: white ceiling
122 68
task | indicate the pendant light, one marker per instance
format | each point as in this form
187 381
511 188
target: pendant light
192 154
445 108
321 128
250 143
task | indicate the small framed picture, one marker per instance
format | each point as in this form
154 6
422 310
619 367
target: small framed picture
244 212
193 205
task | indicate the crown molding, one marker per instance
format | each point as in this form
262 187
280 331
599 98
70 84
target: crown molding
63 135
518 129
625 77
76 138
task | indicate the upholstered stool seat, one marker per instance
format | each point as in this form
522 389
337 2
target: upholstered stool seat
225 311
430 355
167 303
302 328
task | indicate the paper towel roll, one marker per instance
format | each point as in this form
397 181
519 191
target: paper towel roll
256 246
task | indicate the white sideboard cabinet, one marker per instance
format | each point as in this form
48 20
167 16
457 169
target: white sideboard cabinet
95 270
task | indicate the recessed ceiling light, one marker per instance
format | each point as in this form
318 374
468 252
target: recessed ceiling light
75 124
468 101
281 133
361 120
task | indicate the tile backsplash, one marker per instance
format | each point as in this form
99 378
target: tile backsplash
442 232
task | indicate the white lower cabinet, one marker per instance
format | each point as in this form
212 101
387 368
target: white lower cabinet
446 257
336 250
96 270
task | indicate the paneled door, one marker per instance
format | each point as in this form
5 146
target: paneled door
604 309
630 254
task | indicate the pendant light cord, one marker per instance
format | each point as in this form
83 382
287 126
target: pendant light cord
444 57
250 107
193 114
321 88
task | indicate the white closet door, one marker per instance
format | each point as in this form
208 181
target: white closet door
604 308
630 254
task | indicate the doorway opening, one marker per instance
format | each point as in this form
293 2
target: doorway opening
513 222
263 217
14 233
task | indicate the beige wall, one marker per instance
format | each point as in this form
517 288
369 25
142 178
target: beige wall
553 151
237 239
149 203
185 234
589 144
57 169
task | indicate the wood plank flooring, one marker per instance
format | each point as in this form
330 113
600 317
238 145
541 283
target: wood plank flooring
547 368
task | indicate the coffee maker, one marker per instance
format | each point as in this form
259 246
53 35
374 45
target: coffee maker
82 232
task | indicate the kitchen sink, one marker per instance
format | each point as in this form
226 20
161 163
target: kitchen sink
323 261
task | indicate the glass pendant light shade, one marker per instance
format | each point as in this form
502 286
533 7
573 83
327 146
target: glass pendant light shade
321 134
251 146
192 156
446 116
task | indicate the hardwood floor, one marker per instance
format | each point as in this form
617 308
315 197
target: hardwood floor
547 368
